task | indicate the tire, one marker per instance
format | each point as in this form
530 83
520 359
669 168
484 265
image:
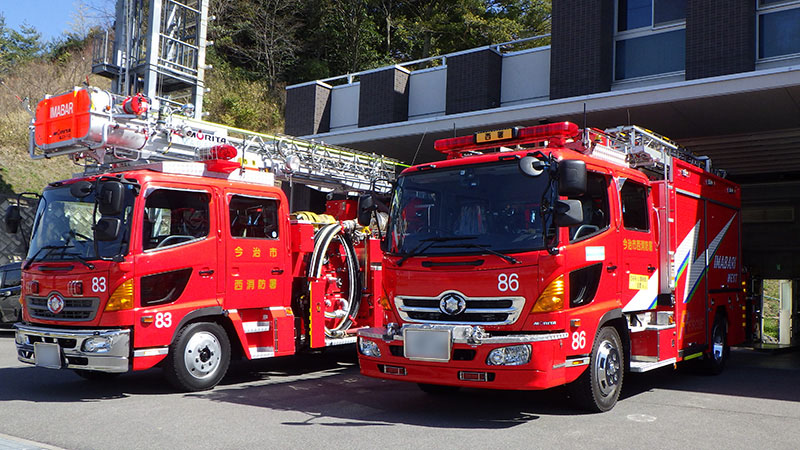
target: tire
198 357
438 389
598 388
93 375
714 361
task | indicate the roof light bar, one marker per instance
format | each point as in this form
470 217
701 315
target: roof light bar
555 133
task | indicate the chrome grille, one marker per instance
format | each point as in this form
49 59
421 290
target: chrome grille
75 309
479 310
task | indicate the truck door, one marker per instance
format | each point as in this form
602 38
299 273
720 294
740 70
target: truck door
639 276
176 267
256 238
592 260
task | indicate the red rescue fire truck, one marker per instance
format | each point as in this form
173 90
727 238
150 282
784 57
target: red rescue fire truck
543 256
176 248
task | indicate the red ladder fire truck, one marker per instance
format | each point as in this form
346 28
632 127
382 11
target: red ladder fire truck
176 248
543 256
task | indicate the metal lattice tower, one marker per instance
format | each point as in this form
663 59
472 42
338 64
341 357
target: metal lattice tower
158 48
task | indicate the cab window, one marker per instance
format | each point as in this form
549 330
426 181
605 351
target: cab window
594 203
634 207
253 217
173 217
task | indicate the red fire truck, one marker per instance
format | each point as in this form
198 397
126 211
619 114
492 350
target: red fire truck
542 256
175 247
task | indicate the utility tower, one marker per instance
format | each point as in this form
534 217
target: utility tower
157 47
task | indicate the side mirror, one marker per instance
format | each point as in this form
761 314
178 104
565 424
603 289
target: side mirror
110 198
571 177
81 189
12 219
568 213
107 229
366 206
531 166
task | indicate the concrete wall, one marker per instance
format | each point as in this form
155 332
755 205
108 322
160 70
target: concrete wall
344 106
526 76
426 94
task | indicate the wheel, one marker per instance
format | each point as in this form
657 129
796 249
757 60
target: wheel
714 361
598 388
438 389
198 357
93 375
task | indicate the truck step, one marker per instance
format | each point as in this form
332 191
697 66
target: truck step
329 342
644 366
255 327
261 352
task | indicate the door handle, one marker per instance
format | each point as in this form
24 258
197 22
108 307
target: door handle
651 268
611 268
277 271
206 273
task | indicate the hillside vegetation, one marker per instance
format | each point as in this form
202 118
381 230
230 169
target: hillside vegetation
260 46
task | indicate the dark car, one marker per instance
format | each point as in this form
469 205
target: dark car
10 310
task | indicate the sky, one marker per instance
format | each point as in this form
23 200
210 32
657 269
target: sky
52 18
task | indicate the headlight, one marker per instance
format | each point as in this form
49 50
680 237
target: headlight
96 344
509 356
20 338
368 348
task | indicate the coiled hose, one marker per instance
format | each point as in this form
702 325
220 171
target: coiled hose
322 241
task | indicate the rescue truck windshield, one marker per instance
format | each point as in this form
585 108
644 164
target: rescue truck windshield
480 208
63 228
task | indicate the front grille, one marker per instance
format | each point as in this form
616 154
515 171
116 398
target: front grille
75 309
459 354
478 311
67 343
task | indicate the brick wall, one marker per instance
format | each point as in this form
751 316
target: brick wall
383 97
581 56
308 110
720 37
473 81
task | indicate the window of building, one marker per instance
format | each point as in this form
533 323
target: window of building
650 38
254 217
778 28
594 203
634 207
173 217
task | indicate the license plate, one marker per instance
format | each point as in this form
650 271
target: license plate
427 345
47 355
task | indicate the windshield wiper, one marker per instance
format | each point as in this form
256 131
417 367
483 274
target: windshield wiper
510 259
81 259
425 244
49 249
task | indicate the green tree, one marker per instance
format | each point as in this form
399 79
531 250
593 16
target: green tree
17 47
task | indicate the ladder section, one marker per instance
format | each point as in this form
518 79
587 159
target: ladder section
646 149
100 130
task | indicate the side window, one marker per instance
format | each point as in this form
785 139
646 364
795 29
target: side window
174 217
254 218
594 202
634 207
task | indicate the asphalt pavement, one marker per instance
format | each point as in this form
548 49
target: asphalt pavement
322 402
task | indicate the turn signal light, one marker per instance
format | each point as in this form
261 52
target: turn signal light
122 298
552 298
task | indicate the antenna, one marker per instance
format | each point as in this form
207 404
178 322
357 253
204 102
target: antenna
585 128
414 160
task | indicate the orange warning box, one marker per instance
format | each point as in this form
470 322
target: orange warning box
62 119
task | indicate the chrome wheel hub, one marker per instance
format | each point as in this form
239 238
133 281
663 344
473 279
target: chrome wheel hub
202 355
607 368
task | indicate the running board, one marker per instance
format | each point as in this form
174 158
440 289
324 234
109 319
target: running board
642 366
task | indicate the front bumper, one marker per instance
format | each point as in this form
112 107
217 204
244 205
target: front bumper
468 365
71 342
